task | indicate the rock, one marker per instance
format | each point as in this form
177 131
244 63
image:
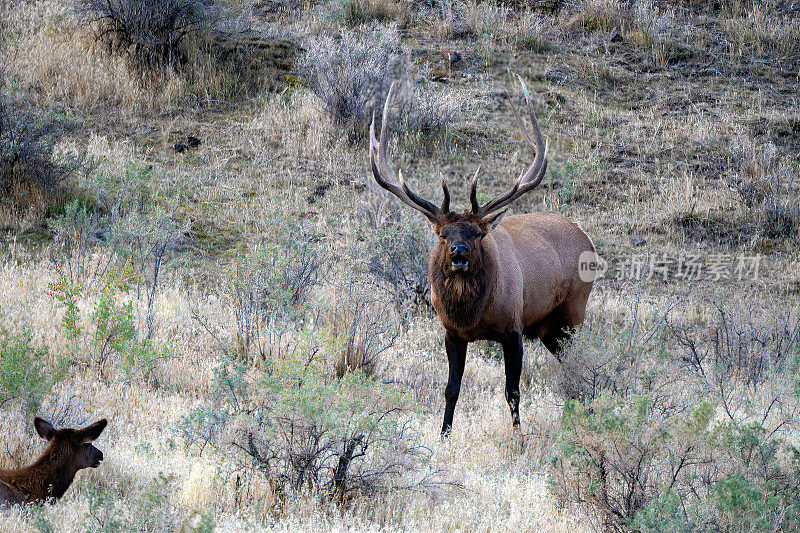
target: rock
613 37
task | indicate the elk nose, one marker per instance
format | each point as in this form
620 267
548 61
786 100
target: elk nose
459 248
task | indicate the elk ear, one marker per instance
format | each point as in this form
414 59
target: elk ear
44 428
494 220
90 433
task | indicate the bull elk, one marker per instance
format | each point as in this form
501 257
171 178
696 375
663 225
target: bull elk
68 451
495 278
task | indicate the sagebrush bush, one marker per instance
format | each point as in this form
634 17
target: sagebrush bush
120 219
351 74
427 110
397 259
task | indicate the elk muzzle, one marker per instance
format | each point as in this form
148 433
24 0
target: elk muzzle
459 257
97 457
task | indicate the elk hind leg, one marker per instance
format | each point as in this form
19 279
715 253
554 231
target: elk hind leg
555 340
558 332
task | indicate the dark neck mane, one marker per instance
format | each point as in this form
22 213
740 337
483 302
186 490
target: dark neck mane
464 295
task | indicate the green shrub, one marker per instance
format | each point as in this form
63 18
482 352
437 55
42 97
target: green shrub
24 377
146 508
684 426
304 430
114 336
111 251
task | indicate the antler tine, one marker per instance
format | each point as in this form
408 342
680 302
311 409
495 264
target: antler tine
529 179
384 175
446 200
473 193
418 200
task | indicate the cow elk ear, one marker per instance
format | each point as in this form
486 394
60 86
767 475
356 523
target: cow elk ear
44 428
493 220
90 433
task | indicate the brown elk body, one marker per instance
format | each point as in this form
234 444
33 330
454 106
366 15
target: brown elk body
68 451
498 279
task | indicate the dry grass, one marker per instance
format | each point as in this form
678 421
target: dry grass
680 138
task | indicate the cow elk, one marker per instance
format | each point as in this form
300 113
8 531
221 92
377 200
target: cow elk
68 451
495 278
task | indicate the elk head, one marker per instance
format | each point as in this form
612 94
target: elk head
460 234
74 446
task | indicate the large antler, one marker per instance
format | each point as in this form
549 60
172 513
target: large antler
385 177
529 179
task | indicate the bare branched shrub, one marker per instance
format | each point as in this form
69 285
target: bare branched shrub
741 359
427 110
364 325
351 74
397 259
619 455
692 427
269 287
30 175
149 32
768 186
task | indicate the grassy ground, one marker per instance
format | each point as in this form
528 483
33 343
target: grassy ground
673 131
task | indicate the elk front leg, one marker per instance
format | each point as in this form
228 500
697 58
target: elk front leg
512 354
456 357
